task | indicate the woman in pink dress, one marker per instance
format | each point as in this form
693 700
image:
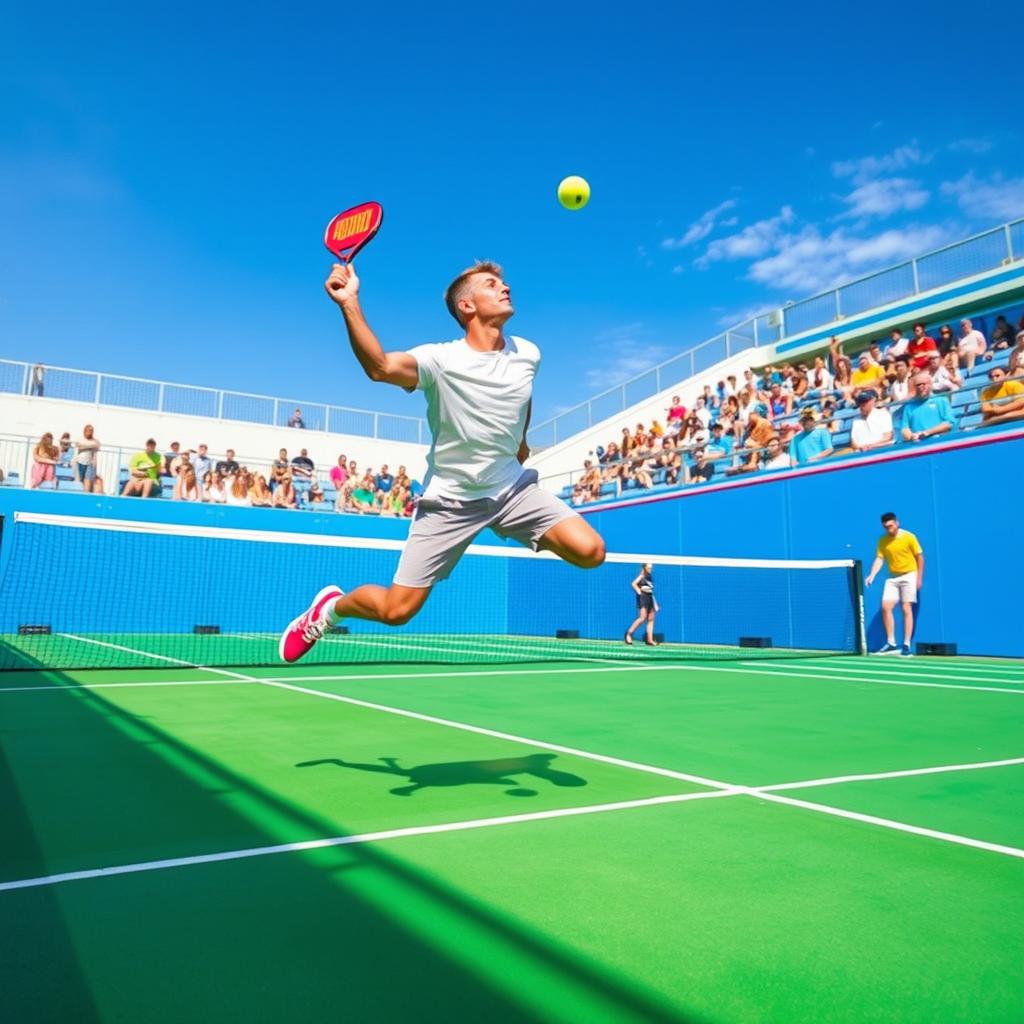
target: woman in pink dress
44 461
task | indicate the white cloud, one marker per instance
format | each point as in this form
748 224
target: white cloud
995 198
620 353
884 197
970 145
866 168
754 240
701 227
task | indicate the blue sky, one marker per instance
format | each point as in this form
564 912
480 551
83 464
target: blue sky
166 174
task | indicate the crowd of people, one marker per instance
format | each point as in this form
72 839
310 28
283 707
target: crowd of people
192 474
788 415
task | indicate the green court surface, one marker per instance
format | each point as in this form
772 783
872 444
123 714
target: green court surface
820 840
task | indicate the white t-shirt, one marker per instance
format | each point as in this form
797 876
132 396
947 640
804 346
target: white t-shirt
871 429
898 348
781 461
899 390
972 341
476 410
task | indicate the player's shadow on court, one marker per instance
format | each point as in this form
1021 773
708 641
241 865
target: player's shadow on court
499 772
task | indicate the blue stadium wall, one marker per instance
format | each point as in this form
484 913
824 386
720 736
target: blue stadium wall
964 505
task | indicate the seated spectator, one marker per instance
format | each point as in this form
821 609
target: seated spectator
44 461
626 443
202 464
1003 400
812 443
1015 364
899 382
759 433
770 376
588 487
720 445
259 493
213 488
695 432
801 385
279 468
302 475
144 472
709 399
873 427
775 457
949 361
701 411
181 463
875 352
611 455
85 461
898 344
668 459
236 490
284 493
384 480
185 486
676 414
640 474
395 500
746 401
657 430
971 346
1002 337
780 403
729 413
296 420
926 415
942 379
316 495
868 376
947 343
921 347
227 466
843 380
701 471
339 476
169 459
65 451
363 497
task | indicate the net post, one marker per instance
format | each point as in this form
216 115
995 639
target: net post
857 588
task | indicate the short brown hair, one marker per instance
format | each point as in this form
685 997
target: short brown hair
456 291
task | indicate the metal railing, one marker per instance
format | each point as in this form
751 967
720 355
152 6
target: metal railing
987 251
19 378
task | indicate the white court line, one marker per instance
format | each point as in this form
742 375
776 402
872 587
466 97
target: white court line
130 650
365 837
899 826
58 688
868 670
898 774
920 663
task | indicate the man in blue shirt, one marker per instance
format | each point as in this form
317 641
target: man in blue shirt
926 415
812 443
721 443
384 480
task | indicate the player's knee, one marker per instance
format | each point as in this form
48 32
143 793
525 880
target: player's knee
591 555
397 614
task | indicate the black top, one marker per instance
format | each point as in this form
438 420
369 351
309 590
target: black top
646 583
227 467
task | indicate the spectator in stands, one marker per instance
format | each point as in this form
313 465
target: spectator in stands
668 460
1002 337
144 472
899 381
695 432
759 433
588 486
947 343
65 451
213 488
296 420
949 361
316 495
873 427
36 385
780 403
926 415
237 491
626 443
921 347
185 486
730 387
385 480
898 344
169 458
44 461
227 466
676 414
747 400
728 414
775 457
611 455
801 386
1003 400
701 471
720 445
363 497
843 380
284 493
339 475
875 352
1015 364
203 464
971 346
701 411
942 379
868 376
279 468
85 461
302 474
657 430
812 443
709 399
259 492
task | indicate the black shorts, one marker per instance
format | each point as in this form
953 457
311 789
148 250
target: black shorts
645 602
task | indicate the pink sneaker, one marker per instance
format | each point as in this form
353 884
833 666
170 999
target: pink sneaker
300 636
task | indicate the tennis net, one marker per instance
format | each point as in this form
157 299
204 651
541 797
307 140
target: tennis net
83 592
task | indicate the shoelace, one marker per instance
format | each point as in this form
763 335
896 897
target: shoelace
314 631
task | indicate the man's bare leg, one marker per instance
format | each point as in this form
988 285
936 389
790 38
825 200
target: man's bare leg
394 605
908 623
575 541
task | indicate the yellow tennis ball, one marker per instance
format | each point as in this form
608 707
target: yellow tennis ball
573 192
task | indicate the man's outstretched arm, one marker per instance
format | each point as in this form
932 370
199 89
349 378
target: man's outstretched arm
391 367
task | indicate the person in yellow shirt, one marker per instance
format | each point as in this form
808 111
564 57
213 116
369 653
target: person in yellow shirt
868 375
901 551
1004 400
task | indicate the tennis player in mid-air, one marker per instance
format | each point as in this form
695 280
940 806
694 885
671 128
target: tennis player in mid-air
478 390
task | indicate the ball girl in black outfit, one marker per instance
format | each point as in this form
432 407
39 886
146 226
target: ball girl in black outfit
646 605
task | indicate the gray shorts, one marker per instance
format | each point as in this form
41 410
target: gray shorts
901 589
443 528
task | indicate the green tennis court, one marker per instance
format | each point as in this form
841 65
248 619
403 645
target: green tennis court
822 839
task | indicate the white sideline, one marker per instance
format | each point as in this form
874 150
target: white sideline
365 837
894 673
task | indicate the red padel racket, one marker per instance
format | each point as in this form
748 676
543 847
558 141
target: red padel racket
352 229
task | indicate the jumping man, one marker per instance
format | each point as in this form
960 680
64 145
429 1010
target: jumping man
901 551
478 390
